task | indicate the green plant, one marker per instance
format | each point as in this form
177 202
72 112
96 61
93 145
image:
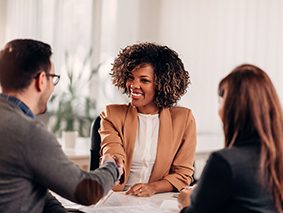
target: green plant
74 109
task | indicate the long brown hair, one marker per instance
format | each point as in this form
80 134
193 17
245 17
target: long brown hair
252 107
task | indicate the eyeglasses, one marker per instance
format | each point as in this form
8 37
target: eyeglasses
55 77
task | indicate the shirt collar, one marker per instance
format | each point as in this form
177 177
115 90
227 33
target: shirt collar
18 103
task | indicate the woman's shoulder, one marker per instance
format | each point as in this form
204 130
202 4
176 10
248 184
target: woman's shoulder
114 109
227 154
118 111
181 112
117 108
238 155
179 109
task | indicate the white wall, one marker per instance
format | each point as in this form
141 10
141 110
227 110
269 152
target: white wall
212 37
215 36
2 22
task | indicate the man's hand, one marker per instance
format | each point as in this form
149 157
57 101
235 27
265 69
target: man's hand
119 163
106 158
121 167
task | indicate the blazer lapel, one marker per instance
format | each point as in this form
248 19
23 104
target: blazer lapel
165 136
130 130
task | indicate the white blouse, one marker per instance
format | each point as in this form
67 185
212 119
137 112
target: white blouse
145 149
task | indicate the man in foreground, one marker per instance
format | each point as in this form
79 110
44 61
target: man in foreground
31 159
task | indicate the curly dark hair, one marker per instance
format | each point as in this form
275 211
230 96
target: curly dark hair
171 78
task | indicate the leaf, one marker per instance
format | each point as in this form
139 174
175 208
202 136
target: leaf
75 112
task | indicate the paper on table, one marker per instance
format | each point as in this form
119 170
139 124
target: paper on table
129 209
121 199
170 205
119 202
66 203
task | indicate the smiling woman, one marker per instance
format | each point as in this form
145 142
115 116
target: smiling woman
140 85
151 138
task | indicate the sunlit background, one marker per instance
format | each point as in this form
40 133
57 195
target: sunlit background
211 37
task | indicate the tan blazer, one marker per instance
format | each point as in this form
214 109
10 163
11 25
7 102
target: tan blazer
176 142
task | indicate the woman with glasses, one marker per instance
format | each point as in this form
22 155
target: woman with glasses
246 176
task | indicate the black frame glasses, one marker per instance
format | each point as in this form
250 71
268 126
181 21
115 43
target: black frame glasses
55 77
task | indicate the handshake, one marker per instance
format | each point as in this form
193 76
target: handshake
118 162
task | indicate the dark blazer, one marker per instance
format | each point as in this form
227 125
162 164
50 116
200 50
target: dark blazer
230 183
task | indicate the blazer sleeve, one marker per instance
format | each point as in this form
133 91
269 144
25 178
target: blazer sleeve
111 133
182 168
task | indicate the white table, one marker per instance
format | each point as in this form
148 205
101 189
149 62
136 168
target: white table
118 202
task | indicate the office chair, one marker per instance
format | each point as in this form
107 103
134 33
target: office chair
95 144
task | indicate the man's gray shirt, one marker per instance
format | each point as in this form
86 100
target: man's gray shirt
32 161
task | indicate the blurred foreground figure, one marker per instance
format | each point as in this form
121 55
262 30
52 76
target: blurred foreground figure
247 175
31 159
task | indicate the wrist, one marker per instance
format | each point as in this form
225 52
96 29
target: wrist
109 160
112 163
154 187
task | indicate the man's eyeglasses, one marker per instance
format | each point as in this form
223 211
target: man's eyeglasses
55 77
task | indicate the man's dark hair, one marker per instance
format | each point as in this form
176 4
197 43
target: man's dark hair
21 60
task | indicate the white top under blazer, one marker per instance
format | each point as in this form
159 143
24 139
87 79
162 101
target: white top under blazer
145 149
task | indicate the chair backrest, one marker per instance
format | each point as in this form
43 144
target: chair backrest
95 144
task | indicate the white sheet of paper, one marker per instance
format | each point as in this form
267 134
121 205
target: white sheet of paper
147 208
118 202
170 205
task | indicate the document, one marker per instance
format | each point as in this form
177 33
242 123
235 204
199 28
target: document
118 202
